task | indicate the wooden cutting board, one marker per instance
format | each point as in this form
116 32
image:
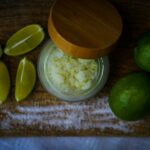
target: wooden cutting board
42 114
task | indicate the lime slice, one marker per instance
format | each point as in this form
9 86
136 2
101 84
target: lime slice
1 51
24 40
25 79
4 82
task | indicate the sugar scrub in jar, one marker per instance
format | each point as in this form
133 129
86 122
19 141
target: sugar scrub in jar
73 65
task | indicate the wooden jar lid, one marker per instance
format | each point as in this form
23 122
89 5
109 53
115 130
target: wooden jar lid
84 28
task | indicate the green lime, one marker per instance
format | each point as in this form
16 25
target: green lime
24 40
1 51
25 79
130 96
142 52
4 82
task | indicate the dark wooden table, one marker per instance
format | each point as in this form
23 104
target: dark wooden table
42 114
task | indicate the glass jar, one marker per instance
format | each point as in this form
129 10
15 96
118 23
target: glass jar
71 95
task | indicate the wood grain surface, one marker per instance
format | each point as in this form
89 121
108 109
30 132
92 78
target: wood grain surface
42 114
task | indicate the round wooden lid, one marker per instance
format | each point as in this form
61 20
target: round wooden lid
84 28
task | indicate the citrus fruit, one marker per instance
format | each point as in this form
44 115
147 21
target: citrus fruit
142 52
24 40
1 51
4 82
130 96
25 79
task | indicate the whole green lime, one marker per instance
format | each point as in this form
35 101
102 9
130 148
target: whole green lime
142 52
130 96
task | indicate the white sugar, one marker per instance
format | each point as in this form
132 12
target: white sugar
35 109
78 116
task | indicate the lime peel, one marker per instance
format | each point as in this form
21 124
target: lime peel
129 98
142 52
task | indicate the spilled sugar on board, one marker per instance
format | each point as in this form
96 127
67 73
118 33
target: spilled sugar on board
78 116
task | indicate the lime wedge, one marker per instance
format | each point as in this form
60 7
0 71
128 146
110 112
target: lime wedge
1 51
4 82
24 40
25 79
